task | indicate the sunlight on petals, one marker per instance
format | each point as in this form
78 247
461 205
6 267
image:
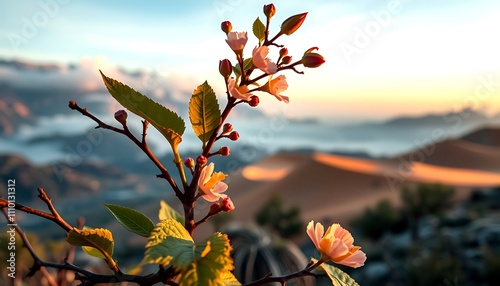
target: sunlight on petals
237 41
336 245
276 86
239 92
261 61
210 184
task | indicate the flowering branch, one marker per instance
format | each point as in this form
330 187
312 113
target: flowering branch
170 242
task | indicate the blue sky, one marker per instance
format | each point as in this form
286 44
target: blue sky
384 58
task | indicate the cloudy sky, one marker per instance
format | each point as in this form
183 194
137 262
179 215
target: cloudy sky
384 58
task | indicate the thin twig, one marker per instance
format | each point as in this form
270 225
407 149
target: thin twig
283 279
141 144
53 216
70 256
205 219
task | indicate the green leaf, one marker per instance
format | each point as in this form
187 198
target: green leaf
206 263
338 277
166 121
167 211
247 64
204 112
259 30
95 242
131 220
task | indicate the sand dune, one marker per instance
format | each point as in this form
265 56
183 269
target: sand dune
333 187
458 154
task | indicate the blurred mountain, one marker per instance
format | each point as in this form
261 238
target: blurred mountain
12 113
451 123
489 136
60 180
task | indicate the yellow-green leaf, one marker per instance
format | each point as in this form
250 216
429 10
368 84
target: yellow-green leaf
259 30
131 219
167 211
228 279
96 242
206 263
167 240
210 261
204 112
337 276
168 123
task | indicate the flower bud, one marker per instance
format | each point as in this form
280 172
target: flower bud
312 60
201 160
226 204
254 101
121 116
214 208
269 10
72 104
189 162
283 52
292 24
228 127
286 60
224 151
234 136
225 68
226 27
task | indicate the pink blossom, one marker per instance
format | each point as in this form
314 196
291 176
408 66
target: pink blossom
261 61
276 86
210 184
239 92
237 41
336 245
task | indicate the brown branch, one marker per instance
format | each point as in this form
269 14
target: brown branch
53 215
208 216
283 279
141 144
37 265
70 256
57 218
87 277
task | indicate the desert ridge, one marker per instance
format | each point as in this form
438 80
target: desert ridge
329 187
